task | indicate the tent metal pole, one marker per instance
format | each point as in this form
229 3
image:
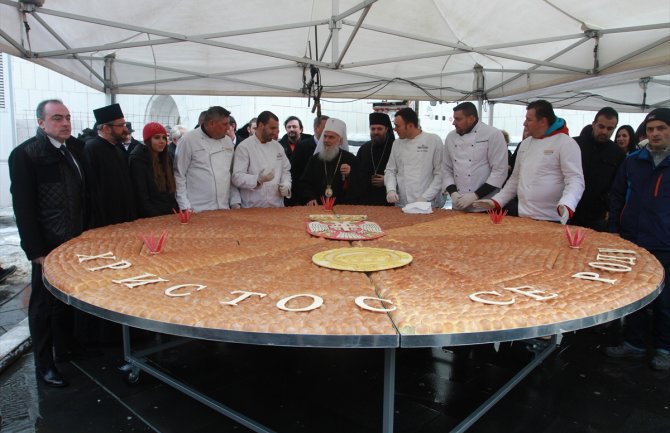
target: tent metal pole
110 98
335 32
635 53
195 74
234 47
232 80
465 50
492 105
635 28
175 36
531 69
66 45
352 36
352 10
441 42
325 47
14 43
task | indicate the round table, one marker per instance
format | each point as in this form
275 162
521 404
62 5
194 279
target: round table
218 255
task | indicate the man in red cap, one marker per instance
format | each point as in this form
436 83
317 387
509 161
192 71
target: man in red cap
640 213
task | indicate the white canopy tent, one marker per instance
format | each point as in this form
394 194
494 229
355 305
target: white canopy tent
578 54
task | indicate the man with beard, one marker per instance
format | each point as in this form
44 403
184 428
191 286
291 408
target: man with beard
547 176
112 199
303 152
601 158
475 159
260 168
293 135
414 171
333 172
372 158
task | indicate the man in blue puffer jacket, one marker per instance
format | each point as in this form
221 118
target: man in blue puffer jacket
640 213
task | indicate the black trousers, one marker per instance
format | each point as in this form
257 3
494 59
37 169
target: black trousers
49 320
637 324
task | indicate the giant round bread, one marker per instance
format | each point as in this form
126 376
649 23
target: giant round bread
220 254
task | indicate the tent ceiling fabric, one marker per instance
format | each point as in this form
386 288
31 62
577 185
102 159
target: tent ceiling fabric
573 51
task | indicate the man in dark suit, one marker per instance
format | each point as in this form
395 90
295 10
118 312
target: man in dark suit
49 198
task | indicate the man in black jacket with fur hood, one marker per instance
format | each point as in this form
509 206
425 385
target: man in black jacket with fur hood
49 198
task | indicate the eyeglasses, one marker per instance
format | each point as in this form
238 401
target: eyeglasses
118 124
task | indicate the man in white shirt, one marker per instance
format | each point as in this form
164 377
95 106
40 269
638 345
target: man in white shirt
203 163
475 159
261 169
547 176
414 170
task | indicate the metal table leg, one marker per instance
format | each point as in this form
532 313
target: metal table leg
507 387
141 363
389 390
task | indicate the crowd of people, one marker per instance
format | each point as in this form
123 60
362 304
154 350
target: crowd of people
62 186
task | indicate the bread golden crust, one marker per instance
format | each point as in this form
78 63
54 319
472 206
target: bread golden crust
268 251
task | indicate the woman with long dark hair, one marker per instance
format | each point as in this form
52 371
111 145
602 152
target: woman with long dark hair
151 173
626 139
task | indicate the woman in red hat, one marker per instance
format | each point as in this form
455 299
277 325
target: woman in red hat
151 173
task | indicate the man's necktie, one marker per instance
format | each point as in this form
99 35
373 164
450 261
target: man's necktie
70 160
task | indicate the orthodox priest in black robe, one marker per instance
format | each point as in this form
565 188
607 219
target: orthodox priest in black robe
112 199
333 172
372 158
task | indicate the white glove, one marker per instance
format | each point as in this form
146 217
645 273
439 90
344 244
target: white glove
484 204
285 191
266 175
465 200
455 197
564 212
392 197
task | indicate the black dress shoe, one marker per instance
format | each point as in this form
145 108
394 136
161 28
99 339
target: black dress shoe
53 378
6 272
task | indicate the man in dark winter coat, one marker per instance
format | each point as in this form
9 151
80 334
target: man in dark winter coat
372 158
640 213
48 194
110 185
601 158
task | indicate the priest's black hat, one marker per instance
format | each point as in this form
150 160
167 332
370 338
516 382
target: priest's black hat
380 119
108 114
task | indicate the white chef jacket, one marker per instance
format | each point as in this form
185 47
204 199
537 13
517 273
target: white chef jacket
414 169
548 172
475 158
251 157
202 167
